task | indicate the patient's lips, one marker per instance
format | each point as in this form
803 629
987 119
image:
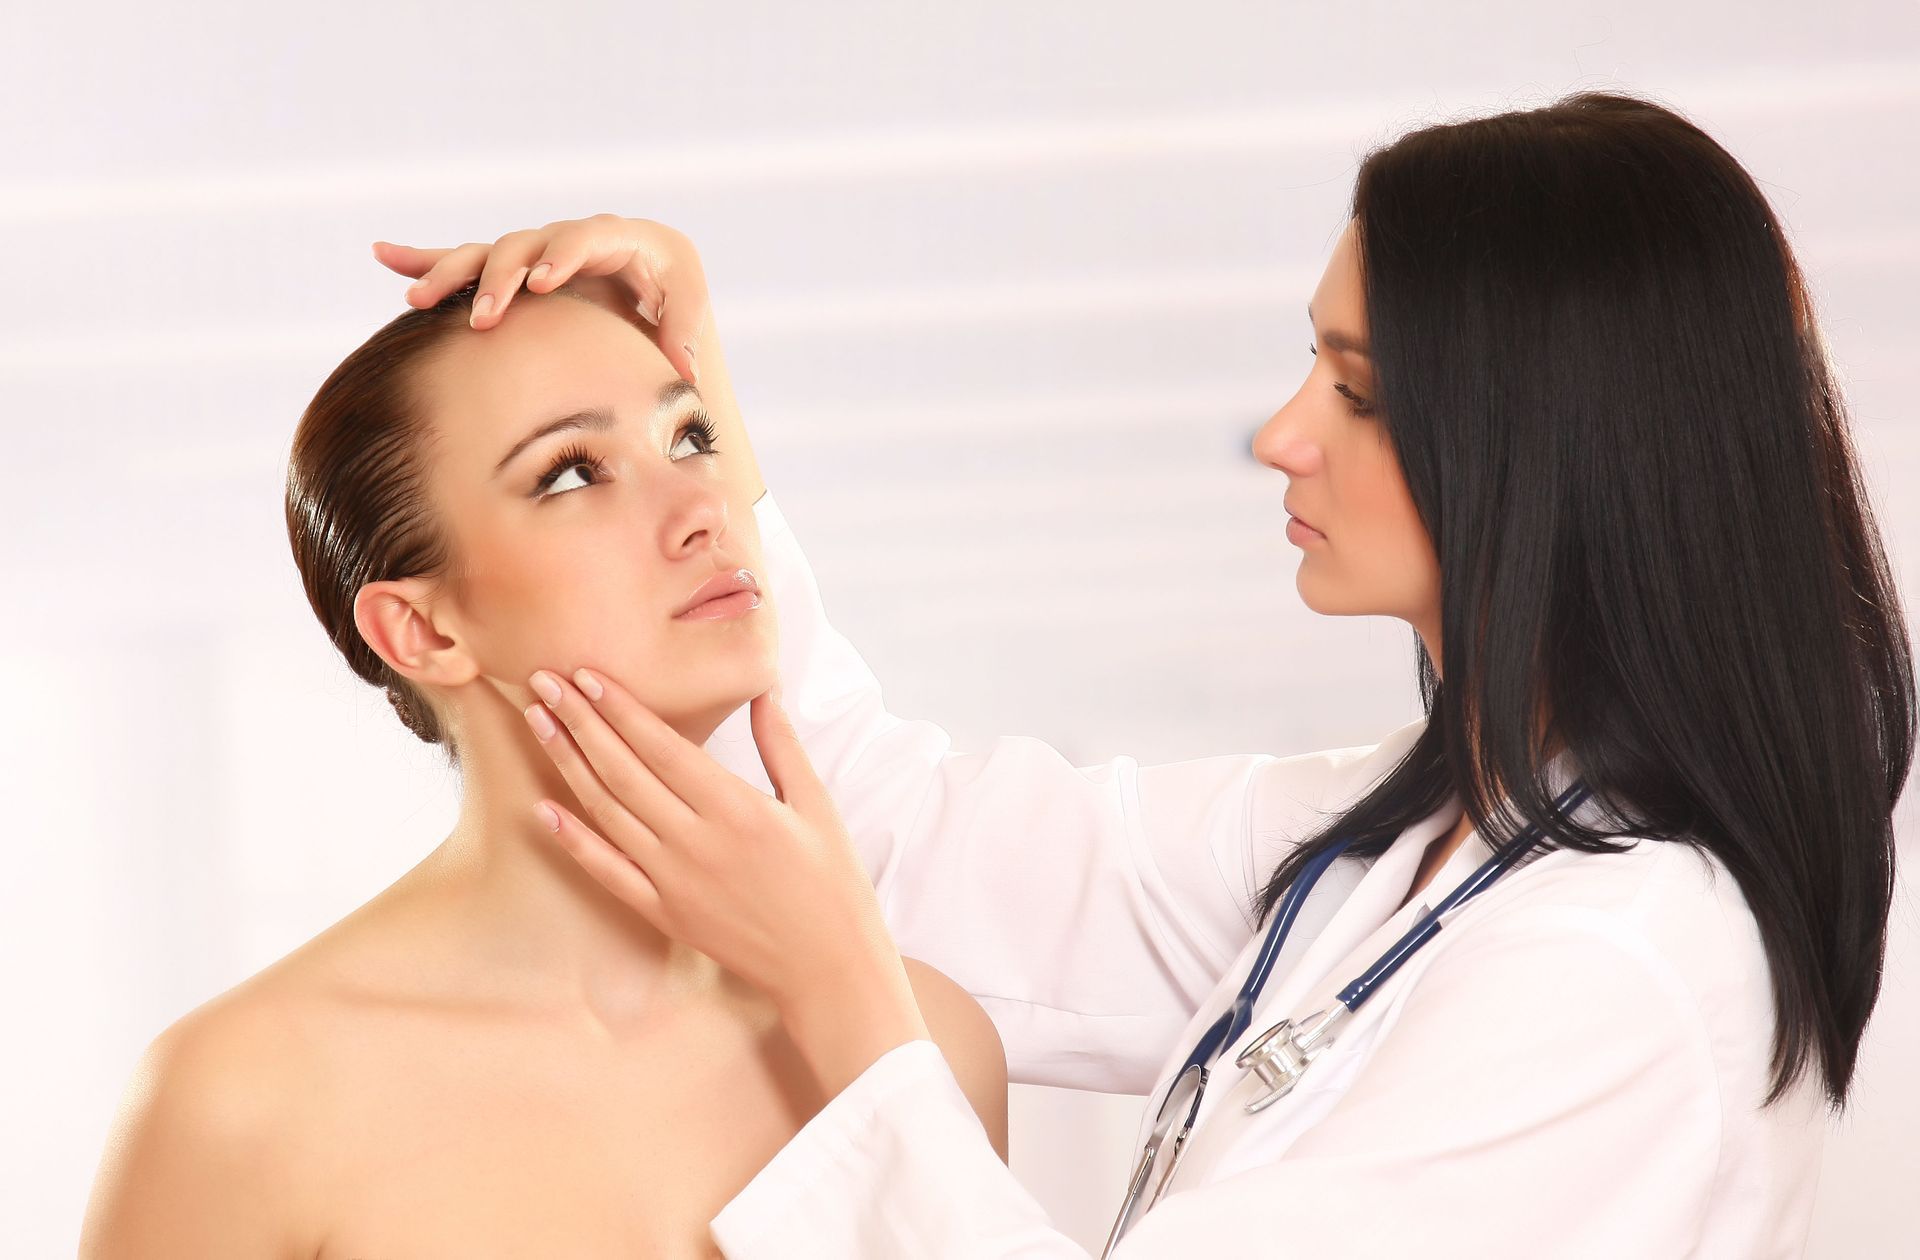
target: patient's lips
723 596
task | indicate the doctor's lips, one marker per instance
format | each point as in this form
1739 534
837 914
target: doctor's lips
1299 531
723 596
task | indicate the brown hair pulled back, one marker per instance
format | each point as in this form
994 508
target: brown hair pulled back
357 506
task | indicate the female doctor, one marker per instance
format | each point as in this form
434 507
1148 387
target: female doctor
1571 966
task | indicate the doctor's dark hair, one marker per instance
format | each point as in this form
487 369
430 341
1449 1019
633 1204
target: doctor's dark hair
357 507
1598 363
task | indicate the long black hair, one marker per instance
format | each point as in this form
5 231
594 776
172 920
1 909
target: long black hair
1598 363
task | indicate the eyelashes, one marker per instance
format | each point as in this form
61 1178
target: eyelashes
700 426
1361 407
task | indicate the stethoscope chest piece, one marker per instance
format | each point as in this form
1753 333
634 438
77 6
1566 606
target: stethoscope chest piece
1280 1055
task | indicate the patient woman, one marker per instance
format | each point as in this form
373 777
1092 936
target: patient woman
494 1057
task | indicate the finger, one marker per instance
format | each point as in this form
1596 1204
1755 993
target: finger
406 259
685 768
622 770
614 820
788 767
684 313
681 350
592 246
612 868
507 264
603 245
454 269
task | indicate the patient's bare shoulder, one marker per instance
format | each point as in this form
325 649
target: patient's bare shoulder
970 1043
198 1160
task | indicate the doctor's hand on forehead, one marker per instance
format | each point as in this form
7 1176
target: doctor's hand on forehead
770 887
637 263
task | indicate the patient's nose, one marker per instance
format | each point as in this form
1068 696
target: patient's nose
698 519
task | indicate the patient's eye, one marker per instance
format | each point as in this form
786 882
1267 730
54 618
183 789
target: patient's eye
698 429
700 426
569 459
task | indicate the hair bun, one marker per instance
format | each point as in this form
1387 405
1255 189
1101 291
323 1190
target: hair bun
403 705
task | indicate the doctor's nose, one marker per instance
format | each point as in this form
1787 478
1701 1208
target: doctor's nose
1283 444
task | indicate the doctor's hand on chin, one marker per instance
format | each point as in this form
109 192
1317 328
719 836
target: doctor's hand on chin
769 887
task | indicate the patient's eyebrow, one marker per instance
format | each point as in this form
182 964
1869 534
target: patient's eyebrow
1340 341
596 419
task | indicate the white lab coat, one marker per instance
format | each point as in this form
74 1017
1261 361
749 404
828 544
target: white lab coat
1572 1067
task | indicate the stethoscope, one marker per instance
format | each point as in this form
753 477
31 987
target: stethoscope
1279 1057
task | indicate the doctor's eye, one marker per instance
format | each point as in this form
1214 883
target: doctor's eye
1361 407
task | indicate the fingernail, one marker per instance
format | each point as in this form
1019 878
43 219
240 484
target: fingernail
541 721
546 686
548 815
421 283
692 362
540 272
588 684
482 307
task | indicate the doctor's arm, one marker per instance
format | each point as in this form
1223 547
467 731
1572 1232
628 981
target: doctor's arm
1089 908
1545 1089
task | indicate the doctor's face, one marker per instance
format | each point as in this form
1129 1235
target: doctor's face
581 545
1363 548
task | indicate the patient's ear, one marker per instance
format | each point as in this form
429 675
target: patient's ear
396 618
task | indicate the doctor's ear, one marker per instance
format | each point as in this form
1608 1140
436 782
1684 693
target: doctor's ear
396 619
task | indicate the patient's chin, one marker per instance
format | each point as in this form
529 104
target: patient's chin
698 725
699 703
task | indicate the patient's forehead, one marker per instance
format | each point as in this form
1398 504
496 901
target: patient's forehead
482 391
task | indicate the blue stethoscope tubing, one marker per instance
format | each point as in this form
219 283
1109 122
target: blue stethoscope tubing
1235 1020
1281 1055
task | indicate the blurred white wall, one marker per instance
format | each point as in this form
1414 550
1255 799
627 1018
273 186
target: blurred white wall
1005 289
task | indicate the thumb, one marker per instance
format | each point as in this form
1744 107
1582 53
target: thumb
683 307
792 774
680 320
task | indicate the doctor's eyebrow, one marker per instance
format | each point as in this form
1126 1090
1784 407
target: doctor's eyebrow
596 419
1340 341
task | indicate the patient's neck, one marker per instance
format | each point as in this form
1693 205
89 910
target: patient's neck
537 926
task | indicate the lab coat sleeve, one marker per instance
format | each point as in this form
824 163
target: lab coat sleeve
1544 1090
1090 909
895 1166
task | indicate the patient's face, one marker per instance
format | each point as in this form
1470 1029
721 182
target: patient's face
583 545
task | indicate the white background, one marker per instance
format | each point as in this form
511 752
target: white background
1005 289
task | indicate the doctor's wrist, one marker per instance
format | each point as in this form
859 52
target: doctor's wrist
843 1025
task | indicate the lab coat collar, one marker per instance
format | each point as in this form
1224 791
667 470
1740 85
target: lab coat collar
1378 895
1355 897
1559 773
1343 928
